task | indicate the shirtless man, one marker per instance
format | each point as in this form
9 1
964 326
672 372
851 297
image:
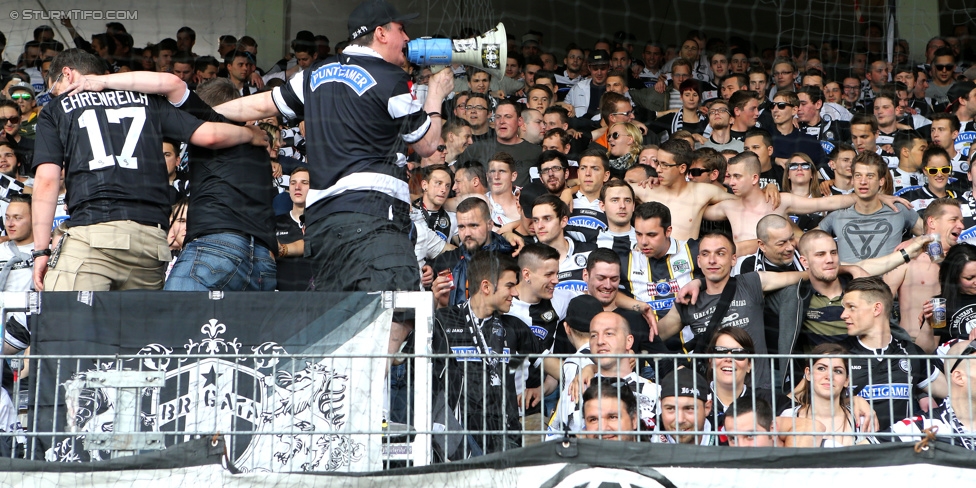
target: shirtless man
751 206
501 199
687 200
916 283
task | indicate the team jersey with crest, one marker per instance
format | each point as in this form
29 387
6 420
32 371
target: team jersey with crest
921 196
587 214
571 268
885 378
655 281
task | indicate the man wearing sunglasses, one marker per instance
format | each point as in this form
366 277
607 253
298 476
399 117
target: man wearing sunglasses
955 418
10 120
787 139
935 164
943 69
23 94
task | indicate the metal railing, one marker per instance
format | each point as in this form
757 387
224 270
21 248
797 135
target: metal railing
299 415
125 408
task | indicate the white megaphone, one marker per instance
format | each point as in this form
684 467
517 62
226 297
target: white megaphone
487 51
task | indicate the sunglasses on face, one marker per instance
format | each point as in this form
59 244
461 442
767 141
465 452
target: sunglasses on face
783 105
617 135
945 67
21 96
971 348
796 166
941 169
735 351
10 120
627 113
697 172
441 148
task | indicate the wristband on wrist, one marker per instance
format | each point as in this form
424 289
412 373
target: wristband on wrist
904 254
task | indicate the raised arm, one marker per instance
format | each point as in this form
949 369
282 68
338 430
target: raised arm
883 264
215 135
775 280
823 204
166 84
252 107
438 87
715 212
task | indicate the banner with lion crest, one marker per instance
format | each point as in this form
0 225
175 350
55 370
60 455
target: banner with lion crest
288 378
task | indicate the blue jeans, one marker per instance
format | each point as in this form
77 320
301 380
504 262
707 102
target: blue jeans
223 262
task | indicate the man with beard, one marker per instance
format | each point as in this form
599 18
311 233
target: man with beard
553 169
720 120
474 233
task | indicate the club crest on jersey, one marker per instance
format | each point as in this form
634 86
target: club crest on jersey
548 315
681 266
662 288
353 76
903 365
580 260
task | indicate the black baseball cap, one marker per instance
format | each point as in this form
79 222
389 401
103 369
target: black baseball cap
959 89
373 13
598 57
580 312
684 383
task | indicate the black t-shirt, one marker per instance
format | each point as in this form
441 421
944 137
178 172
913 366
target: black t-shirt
111 143
232 187
797 142
361 116
294 272
772 176
961 316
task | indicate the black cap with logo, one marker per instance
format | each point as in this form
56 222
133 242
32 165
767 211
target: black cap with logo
373 13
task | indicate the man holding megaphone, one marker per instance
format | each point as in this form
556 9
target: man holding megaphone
360 116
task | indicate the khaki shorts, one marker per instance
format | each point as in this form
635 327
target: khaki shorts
121 255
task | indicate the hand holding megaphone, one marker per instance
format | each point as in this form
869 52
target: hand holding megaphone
487 51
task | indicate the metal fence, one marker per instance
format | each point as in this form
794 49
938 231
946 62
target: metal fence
110 406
